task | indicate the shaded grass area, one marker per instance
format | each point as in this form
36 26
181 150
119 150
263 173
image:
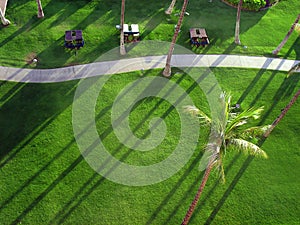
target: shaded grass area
45 180
261 31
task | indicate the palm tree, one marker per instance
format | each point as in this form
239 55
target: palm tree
228 132
4 21
279 47
167 69
122 45
237 23
170 9
40 9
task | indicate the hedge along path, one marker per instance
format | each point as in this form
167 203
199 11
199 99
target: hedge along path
142 63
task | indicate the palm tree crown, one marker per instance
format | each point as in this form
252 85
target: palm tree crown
230 131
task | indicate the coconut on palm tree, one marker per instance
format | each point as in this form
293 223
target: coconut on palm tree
228 132
167 69
279 47
40 9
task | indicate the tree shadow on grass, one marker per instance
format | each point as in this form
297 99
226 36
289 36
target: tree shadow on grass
285 90
21 129
295 47
174 189
50 10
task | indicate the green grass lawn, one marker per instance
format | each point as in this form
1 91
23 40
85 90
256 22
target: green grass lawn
45 180
28 36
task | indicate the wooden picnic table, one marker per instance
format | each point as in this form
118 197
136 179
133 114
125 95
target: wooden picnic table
71 35
198 37
198 33
132 30
73 39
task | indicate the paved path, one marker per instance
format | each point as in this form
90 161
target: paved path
143 63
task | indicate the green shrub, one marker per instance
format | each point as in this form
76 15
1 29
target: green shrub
251 4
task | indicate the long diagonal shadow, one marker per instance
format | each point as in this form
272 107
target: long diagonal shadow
176 186
252 84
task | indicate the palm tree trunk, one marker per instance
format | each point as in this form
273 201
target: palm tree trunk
194 203
279 47
40 9
122 45
237 23
282 114
170 9
4 21
167 70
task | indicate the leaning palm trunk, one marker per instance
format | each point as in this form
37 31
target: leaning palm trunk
4 21
170 9
237 23
282 114
122 45
40 9
194 203
167 70
275 52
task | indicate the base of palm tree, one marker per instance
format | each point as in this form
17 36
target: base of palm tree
167 72
40 15
5 22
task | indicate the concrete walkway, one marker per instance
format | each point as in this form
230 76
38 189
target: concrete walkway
143 63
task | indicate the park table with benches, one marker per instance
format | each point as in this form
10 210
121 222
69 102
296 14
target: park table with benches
198 37
74 39
131 33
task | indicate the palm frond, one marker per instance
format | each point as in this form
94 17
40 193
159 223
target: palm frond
247 147
256 132
243 117
194 111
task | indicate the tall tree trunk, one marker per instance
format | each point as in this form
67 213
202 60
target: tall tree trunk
237 23
4 21
170 9
194 203
279 47
282 114
40 9
122 45
167 70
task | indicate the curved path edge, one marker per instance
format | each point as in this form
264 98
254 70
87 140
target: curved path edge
141 63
